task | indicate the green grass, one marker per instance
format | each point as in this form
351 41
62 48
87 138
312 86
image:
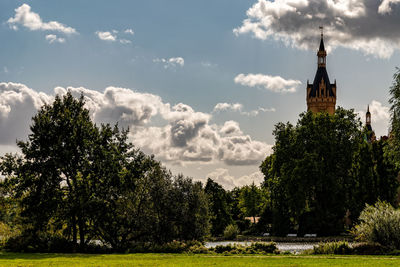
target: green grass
26 259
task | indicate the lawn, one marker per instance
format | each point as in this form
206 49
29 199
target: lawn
16 259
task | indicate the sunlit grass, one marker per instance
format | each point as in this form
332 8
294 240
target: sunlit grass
27 259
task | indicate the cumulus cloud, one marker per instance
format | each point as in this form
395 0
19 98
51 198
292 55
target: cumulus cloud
106 36
223 177
386 6
31 20
52 38
181 135
367 25
238 108
272 83
170 62
231 127
18 104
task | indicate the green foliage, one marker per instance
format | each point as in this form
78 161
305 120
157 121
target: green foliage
77 181
254 248
338 248
323 169
219 207
231 232
251 200
395 118
369 249
379 224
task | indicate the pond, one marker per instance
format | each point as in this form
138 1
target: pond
282 246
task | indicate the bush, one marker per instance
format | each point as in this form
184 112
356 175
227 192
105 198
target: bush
265 247
231 232
254 248
379 224
338 248
369 249
171 247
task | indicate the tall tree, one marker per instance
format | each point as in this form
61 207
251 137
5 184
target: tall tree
219 207
308 176
394 100
251 201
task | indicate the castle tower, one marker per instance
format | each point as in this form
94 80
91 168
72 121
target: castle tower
321 94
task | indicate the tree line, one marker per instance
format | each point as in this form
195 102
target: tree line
80 183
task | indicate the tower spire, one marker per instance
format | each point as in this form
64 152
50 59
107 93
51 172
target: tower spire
321 52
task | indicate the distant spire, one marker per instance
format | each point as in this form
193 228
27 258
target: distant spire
321 44
368 109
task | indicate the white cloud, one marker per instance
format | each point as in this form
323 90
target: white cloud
238 108
112 36
369 26
228 106
18 104
272 83
231 128
223 177
51 38
170 62
129 31
385 6
31 20
182 135
177 60
106 36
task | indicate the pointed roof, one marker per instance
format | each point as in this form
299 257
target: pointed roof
368 110
321 74
321 44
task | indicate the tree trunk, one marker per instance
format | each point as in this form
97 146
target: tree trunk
74 233
81 233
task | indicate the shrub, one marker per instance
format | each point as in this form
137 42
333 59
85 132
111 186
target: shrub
226 248
254 248
369 249
231 232
379 224
340 247
265 247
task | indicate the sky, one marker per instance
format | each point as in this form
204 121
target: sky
200 84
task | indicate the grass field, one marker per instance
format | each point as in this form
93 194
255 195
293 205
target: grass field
16 259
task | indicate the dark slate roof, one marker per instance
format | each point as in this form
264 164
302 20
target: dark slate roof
321 45
321 73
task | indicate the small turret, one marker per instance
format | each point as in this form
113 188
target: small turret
368 118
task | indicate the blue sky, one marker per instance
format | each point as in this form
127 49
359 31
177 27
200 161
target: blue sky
179 59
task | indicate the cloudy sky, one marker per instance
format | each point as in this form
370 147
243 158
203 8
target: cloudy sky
201 84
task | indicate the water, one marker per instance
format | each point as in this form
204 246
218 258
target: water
282 246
